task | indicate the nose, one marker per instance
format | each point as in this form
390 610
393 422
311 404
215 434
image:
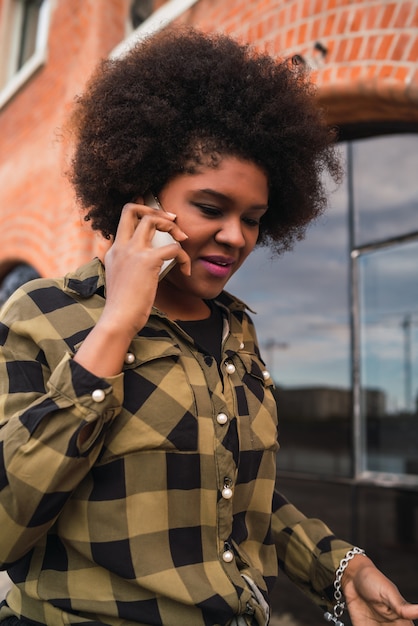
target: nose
231 233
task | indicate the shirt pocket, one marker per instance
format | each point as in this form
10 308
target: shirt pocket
256 407
159 407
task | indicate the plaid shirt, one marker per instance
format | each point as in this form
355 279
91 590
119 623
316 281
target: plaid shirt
163 512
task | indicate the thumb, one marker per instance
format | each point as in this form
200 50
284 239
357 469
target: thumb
408 611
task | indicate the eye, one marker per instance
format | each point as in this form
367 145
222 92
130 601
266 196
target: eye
208 210
251 221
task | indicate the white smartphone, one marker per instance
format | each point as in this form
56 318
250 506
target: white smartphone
160 238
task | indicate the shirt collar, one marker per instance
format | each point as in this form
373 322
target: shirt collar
231 302
89 279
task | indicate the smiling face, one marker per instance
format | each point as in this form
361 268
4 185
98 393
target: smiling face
220 209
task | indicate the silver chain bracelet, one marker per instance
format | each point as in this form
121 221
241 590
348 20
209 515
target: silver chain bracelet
338 594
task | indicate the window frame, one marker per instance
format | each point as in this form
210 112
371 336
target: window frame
363 475
12 85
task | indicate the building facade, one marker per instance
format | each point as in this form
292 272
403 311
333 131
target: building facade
338 316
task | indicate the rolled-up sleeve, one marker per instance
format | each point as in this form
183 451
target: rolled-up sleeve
308 551
52 425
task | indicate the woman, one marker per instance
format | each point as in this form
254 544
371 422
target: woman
139 431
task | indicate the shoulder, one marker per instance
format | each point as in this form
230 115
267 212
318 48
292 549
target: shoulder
54 309
44 295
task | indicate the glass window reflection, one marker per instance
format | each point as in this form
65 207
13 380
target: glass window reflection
389 366
385 187
302 321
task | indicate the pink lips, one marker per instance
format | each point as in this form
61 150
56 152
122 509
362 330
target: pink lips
217 265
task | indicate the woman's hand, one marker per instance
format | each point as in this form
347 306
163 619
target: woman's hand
372 598
132 267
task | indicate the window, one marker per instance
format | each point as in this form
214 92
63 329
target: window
140 10
23 37
385 187
384 261
340 337
389 357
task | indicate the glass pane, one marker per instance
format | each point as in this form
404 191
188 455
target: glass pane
389 365
30 20
385 187
302 323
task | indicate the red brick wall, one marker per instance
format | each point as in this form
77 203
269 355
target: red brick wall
369 73
39 222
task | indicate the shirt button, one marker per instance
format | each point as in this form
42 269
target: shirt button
266 374
227 490
98 395
221 418
241 346
230 367
129 358
228 556
227 493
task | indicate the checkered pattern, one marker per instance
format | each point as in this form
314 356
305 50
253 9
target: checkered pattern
130 527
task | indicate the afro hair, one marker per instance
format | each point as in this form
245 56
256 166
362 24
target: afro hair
181 98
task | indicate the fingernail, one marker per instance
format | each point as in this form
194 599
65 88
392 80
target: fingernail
172 215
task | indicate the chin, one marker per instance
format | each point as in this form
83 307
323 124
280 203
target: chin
197 288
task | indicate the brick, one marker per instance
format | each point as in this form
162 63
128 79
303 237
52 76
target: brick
400 74
405 14
329 25
355 73
290 38
385 71
358 16
413 53
402 44
341 54
356 46
316 25
387 16
373 15
371 42
384 46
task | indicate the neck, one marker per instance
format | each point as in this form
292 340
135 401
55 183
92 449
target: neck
184 309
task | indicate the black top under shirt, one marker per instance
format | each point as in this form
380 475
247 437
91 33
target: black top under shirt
207 333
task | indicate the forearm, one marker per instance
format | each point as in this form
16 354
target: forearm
104 350
308 551
46 453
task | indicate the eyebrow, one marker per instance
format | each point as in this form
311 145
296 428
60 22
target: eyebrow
222 196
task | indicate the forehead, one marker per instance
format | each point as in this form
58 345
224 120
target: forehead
232 176
205 164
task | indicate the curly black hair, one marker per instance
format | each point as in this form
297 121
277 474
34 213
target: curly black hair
180 98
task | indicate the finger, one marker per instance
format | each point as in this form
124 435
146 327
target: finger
398 606
409 611
149 224
131 215
175 251
128 221
184 262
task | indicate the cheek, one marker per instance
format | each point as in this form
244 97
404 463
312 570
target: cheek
198 235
